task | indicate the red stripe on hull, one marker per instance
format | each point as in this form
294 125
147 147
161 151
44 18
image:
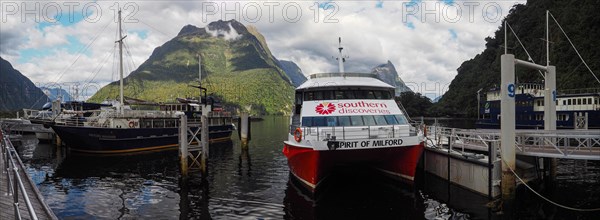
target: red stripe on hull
312 166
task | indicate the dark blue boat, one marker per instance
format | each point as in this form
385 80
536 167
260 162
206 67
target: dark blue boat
575 109
134 130
125 140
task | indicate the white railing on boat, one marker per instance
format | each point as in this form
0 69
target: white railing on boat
160 120
356 132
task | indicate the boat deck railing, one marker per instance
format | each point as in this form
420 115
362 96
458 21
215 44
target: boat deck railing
37 114
356 132
149 120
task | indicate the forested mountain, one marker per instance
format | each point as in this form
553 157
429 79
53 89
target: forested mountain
579 19
17 91
237 66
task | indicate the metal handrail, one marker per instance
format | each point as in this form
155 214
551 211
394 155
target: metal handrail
564 143
346 132
15 184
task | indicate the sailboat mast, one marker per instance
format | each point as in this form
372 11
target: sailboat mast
120 65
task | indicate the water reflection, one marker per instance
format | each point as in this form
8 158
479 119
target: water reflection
245 156
255 184
355 193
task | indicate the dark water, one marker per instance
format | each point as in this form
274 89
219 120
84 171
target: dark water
256 185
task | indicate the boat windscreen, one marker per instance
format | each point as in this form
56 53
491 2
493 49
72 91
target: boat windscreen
346 121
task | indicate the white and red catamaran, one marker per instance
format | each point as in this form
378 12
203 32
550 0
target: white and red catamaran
348 118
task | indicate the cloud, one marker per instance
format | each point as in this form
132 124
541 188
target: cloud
426 48
230 34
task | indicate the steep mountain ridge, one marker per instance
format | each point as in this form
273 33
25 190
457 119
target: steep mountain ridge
293 71
236 66
17 91
387 73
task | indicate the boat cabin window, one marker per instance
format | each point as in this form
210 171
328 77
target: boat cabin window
349 95
380 120
344 121
346 94
390 119
357 121
319 121
365 120
401 119
369 120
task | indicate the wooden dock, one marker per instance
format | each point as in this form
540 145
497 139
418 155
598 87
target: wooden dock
7 203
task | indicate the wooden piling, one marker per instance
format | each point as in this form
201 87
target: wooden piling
244 129
183 146
205 148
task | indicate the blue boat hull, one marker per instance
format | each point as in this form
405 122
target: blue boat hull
125 140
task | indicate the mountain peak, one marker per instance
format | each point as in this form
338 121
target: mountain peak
388 74
230 30
190 29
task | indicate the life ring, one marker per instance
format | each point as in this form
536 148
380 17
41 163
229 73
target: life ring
131 124
298 134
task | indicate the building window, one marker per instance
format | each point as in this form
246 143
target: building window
579 101
589 101
569 101
564 102
585 101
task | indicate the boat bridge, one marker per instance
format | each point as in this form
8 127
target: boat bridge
19 196
564 144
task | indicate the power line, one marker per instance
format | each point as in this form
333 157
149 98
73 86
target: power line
572 45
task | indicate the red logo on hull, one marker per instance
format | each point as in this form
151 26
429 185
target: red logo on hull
325 108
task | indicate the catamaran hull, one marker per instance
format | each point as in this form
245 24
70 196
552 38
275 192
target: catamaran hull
312 166
125 140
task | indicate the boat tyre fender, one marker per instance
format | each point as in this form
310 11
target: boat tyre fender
131 124
298 134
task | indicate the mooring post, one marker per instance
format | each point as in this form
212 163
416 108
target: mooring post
244 129
205 148
507 125
183 146
550 112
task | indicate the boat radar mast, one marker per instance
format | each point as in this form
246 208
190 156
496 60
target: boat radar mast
341 59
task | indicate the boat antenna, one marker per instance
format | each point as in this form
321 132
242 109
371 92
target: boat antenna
120 41
341 59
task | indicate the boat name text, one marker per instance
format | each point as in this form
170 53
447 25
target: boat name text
332 145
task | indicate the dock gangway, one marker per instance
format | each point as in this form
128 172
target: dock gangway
19 196
564 144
